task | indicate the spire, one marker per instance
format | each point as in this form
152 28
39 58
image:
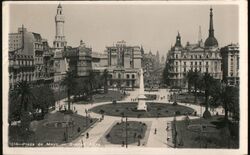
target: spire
199 35
211 26
142 50
59 6
211 40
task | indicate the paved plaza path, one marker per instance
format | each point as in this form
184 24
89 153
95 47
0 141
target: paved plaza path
100 129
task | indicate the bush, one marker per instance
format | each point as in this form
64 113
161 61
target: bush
175 103
108 135
138 115
178 113
101 111
78 129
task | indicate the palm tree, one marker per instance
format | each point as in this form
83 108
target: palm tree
189 78
21 99
69 82
105 77
208 85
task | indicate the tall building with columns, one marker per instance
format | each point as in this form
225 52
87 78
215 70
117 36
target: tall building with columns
124 63
60 40
203 57
230 64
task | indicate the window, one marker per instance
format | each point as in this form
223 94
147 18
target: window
200 56
191 56
127 76
200 63
119 75
184 69
195 63
184 63
206 69
196 56
200 69
176 63
191 63
206 63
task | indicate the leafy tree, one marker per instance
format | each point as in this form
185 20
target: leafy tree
166 74
194 79
44 98
69 82
228 97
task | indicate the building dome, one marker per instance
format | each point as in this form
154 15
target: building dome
211 41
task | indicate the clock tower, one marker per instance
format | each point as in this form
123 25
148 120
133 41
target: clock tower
60 40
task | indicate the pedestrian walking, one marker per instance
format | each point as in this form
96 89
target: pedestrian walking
155 131
87 135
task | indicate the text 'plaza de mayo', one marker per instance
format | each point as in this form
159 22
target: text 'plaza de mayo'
32 59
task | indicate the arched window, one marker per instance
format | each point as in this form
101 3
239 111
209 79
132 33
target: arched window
133 76
127 76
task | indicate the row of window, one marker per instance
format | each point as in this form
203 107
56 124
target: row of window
196 56
195 63
22 62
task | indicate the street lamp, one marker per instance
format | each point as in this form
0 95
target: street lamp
86 111
126 131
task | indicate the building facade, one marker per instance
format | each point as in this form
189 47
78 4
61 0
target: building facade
203 57
28 45
124 63
230 64
21 68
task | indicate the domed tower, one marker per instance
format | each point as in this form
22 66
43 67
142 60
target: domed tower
60 40
211 41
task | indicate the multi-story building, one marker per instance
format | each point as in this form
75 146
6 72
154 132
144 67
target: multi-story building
28 45
79 59
21 68
201 57
48 62
230 64
124 63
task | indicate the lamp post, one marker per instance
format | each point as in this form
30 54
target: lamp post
86 111
126 130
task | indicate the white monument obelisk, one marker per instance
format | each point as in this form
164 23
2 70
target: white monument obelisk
141 98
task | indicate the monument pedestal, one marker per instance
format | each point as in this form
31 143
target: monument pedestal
142 103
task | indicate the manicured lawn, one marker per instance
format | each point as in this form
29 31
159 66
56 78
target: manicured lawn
101 97
47 131
135 131
153 110
216 135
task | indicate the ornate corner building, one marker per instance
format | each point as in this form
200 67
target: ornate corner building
203 57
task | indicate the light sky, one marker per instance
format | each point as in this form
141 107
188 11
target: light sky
153 26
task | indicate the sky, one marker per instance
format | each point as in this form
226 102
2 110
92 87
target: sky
153 26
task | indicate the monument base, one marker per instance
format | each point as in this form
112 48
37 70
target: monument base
142 105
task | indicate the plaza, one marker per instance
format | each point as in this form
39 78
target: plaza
120 94
101 128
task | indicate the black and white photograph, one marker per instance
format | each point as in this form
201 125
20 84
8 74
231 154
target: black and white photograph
125 77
